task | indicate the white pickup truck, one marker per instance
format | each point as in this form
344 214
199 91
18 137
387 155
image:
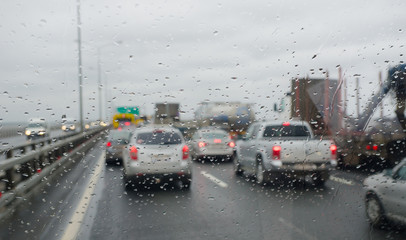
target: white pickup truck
275 150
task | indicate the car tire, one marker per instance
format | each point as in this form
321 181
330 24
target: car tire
186 184
197 159
129 184
374 211
260 172
237 167
319 180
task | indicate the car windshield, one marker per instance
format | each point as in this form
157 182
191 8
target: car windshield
36 125
158 138
278 118
286 131
119 135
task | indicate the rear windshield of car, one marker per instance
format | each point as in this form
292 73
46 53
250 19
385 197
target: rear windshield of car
214 135
123 120
34 125
119 135
158 138
286 131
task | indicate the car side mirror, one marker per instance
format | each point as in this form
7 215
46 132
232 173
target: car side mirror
388 172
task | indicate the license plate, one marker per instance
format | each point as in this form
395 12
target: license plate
305 167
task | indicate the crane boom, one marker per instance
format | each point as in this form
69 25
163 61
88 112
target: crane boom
366 115
396 82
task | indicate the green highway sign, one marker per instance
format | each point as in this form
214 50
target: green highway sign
132 110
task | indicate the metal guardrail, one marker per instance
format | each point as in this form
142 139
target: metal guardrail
20 149
25 171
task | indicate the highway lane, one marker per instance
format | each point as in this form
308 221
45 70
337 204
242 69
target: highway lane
219 205
234 208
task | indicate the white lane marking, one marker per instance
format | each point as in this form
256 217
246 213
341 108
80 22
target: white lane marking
341 180
296 229
76 221
214 179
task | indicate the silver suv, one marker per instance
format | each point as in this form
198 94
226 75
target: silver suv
157 154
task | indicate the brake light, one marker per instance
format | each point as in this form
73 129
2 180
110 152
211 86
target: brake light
276 152
217 140
127 123
368 147
286 124
185 152
333 149
231 144
375 147
201 144
134 153
108 144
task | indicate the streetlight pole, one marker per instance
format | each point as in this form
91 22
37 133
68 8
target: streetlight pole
80 66
99 82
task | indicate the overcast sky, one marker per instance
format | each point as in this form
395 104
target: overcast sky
187 51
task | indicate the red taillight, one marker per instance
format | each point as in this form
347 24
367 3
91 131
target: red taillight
286 124
333 149
134 153
368 147
201 144
108 144
375 147
127 123
276 152
217 140
231 144
185 152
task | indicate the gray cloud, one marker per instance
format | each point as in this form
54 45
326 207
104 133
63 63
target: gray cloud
188 51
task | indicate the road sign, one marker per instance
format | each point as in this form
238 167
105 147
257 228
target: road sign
132 110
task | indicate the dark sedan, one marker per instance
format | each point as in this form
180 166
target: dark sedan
116 141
